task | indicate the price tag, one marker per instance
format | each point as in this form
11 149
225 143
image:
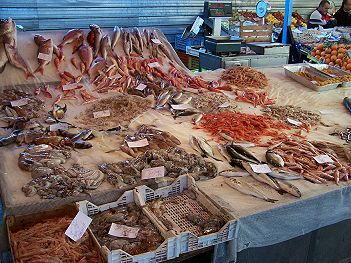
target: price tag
327 111
154 172
100 114
294 122
154 65
260 168
156 41
323 159
46 57
141 87
59 126
19 103
69 86
224 105
138 144
314 82
123 231
78 226
181 106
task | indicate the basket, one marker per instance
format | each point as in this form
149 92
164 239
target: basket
182 43
167 250
189 238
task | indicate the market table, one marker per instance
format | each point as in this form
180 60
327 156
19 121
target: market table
258 223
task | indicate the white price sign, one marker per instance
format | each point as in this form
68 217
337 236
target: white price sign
123 231
260 168
294 122
154 65
59 126
140 87
46 57
100 114
323 159
78 226
138 144
154 172
19 103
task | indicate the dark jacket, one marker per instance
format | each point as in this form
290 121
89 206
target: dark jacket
343 18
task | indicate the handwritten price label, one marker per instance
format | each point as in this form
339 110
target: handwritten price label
19 103
100 114
46 57
154 172
78 226
141 87
59 126
123 231
154 65
156 41
260 168
138 144
323 159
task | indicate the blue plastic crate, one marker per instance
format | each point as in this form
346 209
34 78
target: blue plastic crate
182 43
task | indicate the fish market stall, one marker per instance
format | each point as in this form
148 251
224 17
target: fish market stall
110 123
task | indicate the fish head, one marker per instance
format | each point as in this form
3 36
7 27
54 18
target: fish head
7 25
39 39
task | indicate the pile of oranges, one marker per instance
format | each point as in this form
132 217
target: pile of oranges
335 55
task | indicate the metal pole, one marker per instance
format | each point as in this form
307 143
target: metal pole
287 19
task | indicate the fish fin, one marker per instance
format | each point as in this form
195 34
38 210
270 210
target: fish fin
39 69
281 191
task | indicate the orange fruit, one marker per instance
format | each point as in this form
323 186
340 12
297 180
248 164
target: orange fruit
348 67
317 56
334 52
327 61
328 56
323 53
333 58
318 52
320 46
338 61
343 68
331 63
327 50
334 47
313 54
341 55
348 61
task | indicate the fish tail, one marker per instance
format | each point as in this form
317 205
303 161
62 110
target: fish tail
39 69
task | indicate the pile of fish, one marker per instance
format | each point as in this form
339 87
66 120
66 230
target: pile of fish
212 102
147 238
8 47
295 113
50 178
156 140
344 135
175 160
183 212
301 157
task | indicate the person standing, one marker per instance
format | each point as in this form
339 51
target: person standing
343 15
320 16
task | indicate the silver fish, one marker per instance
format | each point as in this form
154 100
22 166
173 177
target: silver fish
284 175
274 159
194 144
222 150
183 101
197 118
247 189
177 95
6 26
140 39
235 155
16 60
243 151
162 102
206 147
288 187
3 57
231 173
263 178
98 64
187 112
105 46
115 37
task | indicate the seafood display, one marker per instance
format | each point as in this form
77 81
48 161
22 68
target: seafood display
175 160
305 159
147 238
245 77
241 126
122 108
46 242
212 102
183 212
254 97
156 140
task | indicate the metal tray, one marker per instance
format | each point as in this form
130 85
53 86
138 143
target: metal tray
290 71
337 72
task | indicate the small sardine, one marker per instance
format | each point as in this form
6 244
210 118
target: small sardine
206 148
115 37
163 100
197 118
288 187
274 159
222 150
105 46
243 151
246 188
187 112
235 155
283 175
177 96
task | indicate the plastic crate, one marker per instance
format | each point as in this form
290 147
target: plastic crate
188 241
182 43
166 251
193 63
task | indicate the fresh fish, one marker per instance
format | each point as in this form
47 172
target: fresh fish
222 150
166 52
163 100
347 103
187 112
3 57
16 60
263 178
197 118
231 173
126 43
235 155
246 188
284 175
97 65
177 96
226 137
135 42
115 37
105 46
288 187
183 101
6 26
140 39
85 54
274 159
81 135
45 46
97 33
10 37
206 148
195 145
243 151
72 36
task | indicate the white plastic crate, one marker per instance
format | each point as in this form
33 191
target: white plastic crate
188 241
166 251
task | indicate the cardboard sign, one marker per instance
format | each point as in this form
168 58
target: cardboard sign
138 144
323 159
78 226
59 126
260 168
19 103
154 172
123 231
140 87
46 57
100 114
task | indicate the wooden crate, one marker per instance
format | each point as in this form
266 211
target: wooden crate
262 33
